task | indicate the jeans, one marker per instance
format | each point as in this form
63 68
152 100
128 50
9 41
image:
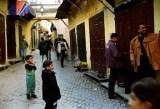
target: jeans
62 54
30 80
23 52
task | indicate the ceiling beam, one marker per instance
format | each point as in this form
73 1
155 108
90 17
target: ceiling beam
106 6
45 18
74 4
44 4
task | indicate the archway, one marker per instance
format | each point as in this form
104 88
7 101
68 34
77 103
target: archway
39 29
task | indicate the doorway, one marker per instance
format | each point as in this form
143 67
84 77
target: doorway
11 42
81 42
2 40
97 43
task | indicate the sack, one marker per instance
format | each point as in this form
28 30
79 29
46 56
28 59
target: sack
63 47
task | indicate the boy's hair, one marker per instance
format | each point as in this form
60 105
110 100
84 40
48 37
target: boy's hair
47 63
114 35
148 89
27 57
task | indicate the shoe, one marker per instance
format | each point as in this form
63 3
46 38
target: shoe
112 97
29 97
34 96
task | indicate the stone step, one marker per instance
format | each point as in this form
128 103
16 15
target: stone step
4 66
14 60
118 90
94 76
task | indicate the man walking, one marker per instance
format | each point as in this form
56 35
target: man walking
61 47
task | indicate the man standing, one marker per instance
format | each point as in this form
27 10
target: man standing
145 53
23 48
113 62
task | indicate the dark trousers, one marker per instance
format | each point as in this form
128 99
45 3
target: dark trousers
48 55
58 55
62 57
49 105
42 58
146 72
129 78
112 81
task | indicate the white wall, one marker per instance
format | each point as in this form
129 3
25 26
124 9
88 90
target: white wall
156 16
62 28
109 22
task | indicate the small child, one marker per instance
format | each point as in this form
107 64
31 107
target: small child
30 76
50 88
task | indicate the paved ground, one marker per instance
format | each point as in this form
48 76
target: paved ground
78 91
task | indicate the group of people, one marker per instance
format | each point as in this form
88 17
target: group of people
50 89
45 47
144 58
60 46
145 62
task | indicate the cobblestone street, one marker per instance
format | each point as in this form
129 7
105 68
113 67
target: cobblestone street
78 91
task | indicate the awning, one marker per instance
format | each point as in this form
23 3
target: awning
19 6
27 12
64 8
21 9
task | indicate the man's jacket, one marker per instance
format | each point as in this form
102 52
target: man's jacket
113 56
151 44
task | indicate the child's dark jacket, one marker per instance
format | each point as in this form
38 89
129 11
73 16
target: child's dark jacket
50 89
30 67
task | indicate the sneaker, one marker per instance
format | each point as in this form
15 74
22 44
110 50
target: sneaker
29 97
34 96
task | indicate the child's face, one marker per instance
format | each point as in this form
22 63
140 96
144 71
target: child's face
50 67
30 60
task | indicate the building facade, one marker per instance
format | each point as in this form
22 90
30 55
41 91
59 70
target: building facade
92 21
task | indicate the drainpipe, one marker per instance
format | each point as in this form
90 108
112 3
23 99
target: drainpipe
106 6
64 23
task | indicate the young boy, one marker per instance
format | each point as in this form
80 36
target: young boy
30 77
50 88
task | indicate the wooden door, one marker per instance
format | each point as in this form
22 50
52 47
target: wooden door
2 40
73 43
127 19
97 43
11 42
20 37
81 42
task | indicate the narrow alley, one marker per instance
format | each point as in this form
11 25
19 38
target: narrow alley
78 91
